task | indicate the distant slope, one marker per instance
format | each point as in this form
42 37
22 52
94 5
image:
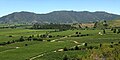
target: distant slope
57 17
114 23
107 24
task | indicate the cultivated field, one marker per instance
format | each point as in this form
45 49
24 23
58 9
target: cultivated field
59 45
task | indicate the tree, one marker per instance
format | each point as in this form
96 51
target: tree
65 57
95 25
78 35
10 35
13 41
40 39
44 36
114 30
105 24
26 44
118 31
112 42
91 47
111 29
38 35
76 48
32 35
111 46
50 36
119 42
30 38
85 44
8 42
21 39
100 45
49 40
65 49
86 27
77 32
104 31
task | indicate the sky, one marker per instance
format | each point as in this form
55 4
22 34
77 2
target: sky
46 6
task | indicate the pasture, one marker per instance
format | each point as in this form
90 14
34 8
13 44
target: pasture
49 50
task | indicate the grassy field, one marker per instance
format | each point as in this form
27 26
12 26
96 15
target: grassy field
114 23
23 53
68 39
16 33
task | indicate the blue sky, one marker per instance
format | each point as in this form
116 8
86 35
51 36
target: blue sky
46 6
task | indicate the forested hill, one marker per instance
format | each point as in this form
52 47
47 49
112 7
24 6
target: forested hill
58 17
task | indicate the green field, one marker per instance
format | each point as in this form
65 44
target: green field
48 50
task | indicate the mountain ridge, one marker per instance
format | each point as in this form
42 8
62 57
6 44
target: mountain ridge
58 17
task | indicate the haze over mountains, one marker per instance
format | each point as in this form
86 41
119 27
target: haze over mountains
57 17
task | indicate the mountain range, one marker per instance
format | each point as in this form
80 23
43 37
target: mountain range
24 17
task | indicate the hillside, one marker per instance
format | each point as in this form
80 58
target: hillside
114 23
108 24
57 17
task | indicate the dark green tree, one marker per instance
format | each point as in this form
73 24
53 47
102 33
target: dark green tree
76 48
65 57
100 45
22 39
118 31
114 30
104 31
65 49
85 44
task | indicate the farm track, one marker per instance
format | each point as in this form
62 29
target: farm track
32 58
61 38
7 50
38 56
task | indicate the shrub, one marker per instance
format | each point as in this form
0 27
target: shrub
48 40
13 41
10 35
65 49
116 44
77 35
26 44
96 47
100 45
35 39
104 31
91 47
118 31
77 32
58 35
76 48
114 30
119 42
111 46
40 40
85 44
50 36
21 39
112 42
8 42
65 57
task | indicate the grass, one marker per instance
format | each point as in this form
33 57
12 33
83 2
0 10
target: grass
9 52
17 33
32 50
60 55
114 23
